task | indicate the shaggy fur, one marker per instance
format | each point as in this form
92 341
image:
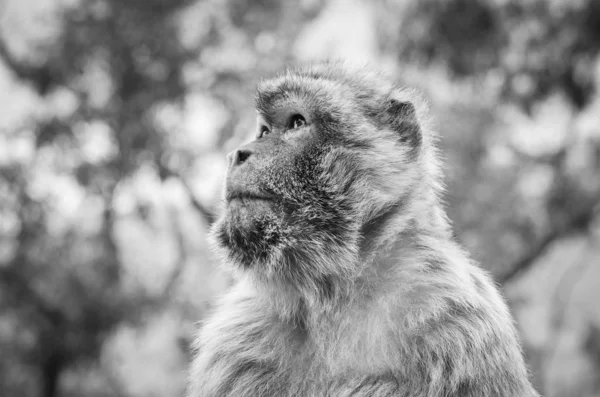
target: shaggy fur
348 281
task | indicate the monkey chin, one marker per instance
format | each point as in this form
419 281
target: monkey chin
250 231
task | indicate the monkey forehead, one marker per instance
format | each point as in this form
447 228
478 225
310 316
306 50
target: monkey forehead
321 85
296 89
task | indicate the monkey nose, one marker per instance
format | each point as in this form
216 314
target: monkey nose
238 157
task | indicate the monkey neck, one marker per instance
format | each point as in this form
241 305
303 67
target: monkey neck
394 239
419 213
387 241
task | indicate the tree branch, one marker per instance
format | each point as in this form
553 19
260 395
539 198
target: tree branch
577 223
209 216
42 77
182 258
561 300
21 292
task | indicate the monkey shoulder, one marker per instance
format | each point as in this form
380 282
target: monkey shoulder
455 331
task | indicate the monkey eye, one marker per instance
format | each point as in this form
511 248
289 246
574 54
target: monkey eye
264 130
297 121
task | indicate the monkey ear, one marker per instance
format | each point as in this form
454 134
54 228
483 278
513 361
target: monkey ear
402 116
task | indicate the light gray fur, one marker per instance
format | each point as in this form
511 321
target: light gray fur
414 316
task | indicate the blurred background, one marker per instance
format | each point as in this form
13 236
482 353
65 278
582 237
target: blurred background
116 116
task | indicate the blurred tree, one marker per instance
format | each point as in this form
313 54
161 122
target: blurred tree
123 88
63 288
523 55
534 47
466 35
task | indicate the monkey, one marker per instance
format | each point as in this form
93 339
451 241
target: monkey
348 280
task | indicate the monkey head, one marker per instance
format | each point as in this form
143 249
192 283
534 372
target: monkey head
336 154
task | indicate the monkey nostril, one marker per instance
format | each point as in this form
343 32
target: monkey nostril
241 156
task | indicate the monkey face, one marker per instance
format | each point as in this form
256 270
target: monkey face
276 200
298 198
